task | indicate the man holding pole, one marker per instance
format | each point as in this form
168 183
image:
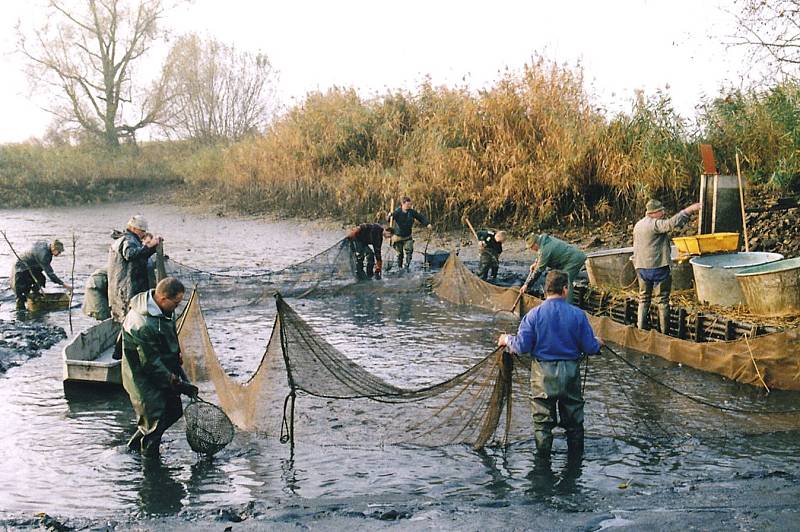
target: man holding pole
31 266
127 265
554 253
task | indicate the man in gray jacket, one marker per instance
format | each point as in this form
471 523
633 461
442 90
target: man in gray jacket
127 266
29 271
651 258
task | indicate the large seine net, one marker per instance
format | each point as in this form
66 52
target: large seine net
305 388
325 272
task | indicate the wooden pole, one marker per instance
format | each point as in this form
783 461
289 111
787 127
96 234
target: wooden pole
472 229
161 270
72 282
741 201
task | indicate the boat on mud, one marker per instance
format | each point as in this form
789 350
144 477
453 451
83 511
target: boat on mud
88 357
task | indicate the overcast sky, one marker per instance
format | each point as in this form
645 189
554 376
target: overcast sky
373 45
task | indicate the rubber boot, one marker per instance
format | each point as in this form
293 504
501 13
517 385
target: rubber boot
663 318
575 443
370 271
20 303
641 316
544 443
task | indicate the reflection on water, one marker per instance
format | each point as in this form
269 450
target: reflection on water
65 453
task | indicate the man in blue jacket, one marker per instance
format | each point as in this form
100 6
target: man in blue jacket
555 334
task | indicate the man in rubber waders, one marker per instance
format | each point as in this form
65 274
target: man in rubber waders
127 265
651 258
362 237
555 334
28 272
402 242
554 254
491 244
151 363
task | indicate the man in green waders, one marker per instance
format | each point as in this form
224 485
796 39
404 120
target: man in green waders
402 242
554 254
555 334
151 363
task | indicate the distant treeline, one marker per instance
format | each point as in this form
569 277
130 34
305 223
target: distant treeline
533 149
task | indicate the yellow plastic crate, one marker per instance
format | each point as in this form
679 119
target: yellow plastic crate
711 243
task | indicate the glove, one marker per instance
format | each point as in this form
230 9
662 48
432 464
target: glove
186 388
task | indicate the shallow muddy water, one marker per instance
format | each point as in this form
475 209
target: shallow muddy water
65 455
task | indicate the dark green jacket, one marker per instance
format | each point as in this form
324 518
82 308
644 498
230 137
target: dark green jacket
558 255
151 356
36 259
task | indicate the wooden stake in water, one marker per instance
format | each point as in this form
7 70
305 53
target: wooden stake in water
741 201
72 282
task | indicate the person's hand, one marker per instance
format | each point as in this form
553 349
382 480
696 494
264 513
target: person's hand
600 341
693 208
482 244
430 226
534 266
502 340
187 388
523 288
156 240
69 287
174 380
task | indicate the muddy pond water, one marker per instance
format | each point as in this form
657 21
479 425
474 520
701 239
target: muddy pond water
65 455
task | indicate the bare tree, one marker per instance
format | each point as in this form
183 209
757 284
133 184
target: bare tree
770 29
86 50
216 92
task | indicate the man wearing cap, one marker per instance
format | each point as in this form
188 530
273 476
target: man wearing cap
127 265
362 237
402 242
555 334
556 254
651 258
28 272
491 244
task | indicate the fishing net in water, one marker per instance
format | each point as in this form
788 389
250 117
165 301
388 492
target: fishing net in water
208 429
327 271
304 387
652 400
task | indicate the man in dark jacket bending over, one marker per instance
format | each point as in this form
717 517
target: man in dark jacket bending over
362 237
29 271
555 334
402 242
491 244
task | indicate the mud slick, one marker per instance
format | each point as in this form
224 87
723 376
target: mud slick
21 341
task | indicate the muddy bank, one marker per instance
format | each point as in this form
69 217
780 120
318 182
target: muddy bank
749 500
21 341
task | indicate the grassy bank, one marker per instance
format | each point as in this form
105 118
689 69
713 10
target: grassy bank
32 174
531 150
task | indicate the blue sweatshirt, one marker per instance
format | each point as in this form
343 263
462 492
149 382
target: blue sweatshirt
555 330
